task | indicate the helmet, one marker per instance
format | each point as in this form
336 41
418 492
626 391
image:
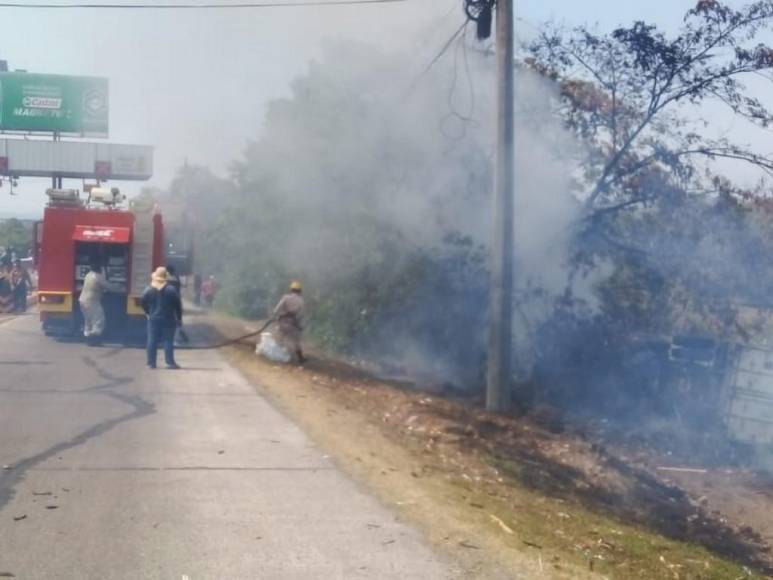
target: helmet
296 285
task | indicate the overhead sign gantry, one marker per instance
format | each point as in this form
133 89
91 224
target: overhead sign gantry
75 159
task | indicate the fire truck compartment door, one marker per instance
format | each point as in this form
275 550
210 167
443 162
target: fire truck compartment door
104 234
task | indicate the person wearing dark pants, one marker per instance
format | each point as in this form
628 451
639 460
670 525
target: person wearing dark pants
161 332
162 305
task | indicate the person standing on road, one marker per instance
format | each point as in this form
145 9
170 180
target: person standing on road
21 283
94 287
288 314
162 305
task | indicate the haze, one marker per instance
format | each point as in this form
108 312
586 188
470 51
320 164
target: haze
194 83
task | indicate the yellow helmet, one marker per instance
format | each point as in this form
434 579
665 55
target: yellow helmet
296 285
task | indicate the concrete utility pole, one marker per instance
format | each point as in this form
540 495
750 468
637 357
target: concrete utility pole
501 306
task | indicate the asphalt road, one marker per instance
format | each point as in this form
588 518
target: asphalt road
111 470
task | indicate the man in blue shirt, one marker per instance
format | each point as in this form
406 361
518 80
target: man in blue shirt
162 305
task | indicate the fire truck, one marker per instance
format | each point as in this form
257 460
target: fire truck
97 227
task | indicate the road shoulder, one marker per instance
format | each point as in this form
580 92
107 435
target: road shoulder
501 493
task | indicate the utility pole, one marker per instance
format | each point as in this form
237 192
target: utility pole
501 294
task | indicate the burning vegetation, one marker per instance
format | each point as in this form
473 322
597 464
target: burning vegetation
637 256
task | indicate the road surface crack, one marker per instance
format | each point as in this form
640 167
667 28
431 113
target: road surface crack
10 478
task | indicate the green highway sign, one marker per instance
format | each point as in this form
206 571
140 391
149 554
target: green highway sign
40 103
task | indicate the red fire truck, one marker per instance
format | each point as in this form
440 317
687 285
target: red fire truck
76 232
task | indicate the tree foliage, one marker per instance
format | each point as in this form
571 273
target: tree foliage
15 235
637 97
683 244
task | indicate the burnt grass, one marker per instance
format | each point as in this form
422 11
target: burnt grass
523 450
520 449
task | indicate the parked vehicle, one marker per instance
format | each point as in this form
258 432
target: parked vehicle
74 233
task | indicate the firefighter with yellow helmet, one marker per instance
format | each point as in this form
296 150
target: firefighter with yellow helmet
288 315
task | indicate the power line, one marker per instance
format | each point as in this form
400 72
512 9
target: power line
445 48
465 118
437 57
240 5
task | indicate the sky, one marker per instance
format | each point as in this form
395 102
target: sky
194 84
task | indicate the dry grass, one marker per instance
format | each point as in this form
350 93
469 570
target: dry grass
503 494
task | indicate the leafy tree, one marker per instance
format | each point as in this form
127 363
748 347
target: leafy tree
654 200
636 96
14 234
683 245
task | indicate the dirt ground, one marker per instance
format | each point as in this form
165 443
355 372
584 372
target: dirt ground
525 497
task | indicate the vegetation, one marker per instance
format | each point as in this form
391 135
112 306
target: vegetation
357 186
684 244
15 235
342 190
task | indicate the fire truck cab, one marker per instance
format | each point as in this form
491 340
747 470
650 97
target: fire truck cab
127 243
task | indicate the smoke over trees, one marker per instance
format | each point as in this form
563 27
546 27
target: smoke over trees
686 245
354 188
374 189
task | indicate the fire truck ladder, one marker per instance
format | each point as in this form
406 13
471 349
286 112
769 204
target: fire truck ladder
142 250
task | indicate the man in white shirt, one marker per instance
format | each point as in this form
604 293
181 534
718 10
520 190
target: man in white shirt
94 286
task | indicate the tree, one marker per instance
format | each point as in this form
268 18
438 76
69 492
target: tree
15 235
654 198
637 97
681 243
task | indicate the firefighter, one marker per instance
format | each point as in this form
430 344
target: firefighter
94 287
163 307
21 283
288 314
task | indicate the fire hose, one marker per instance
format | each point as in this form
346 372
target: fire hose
214 346
228 342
